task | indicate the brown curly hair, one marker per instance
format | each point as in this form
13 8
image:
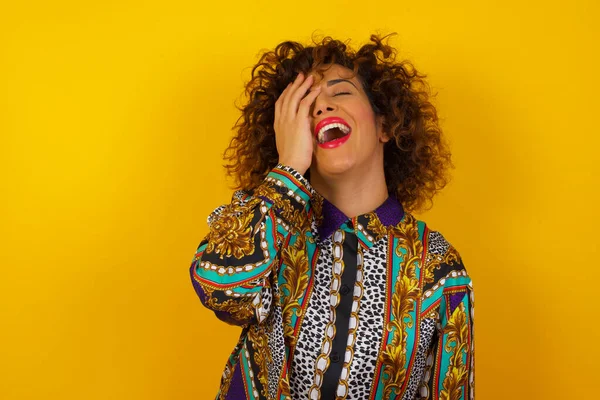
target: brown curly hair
415 162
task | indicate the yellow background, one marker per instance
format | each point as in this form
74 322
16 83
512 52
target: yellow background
113 119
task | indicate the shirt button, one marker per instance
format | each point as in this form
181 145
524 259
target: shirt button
335 357
344 290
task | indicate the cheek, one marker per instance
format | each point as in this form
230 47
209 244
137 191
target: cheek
360 107
365 119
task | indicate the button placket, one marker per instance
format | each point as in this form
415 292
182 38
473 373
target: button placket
345 322
335 357
344 290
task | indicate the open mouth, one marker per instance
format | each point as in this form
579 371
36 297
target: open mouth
331 130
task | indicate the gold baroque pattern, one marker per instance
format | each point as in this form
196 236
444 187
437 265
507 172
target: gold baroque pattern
406 293
226 381
257 335
316 204
456 344
239 311
442 281
294 216
284 388
230 270
230 235
376 226
295 273
450 256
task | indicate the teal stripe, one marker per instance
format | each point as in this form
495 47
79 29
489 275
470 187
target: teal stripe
311 248
281 278
411 338
395 260
432 299
281 230
444 363
241 290
346 228
456 281
465 302
310 251
411 346
449 283
364 238
445 359
421 228
201 247
442 311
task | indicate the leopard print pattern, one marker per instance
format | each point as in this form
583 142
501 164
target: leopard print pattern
426 333
276 347
437 245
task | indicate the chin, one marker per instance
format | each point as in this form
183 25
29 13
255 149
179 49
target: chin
331 166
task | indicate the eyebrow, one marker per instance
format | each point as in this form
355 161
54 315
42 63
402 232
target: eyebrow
336 81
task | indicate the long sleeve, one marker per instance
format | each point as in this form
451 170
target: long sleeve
452 354
234 264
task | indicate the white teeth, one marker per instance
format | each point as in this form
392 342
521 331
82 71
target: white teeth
341 127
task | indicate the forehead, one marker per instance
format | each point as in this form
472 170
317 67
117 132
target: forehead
334 71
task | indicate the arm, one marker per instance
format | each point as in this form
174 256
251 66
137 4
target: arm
234 264
451 360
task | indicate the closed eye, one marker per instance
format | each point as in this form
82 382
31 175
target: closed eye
341 94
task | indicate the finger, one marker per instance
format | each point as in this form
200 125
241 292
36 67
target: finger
293 87
298 94
306 102
280 99
283 98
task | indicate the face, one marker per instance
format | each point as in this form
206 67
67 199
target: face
347 135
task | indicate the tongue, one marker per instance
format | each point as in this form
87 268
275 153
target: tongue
332 134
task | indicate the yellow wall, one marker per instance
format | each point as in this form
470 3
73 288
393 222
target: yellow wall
113 119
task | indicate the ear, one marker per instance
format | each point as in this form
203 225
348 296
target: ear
384 137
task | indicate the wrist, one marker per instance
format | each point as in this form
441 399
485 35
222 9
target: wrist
295 165
292 185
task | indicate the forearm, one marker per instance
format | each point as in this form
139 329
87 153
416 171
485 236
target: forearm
233 264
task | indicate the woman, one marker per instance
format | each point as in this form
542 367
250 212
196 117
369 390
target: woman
341 292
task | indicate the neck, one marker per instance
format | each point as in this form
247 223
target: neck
354 193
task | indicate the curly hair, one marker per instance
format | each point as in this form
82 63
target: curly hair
415 161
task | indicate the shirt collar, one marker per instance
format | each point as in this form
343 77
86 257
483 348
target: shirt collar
328 218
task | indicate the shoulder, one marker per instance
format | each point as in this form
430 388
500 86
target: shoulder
438 249
434 245
445 279
442 263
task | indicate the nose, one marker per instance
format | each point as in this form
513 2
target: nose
322 105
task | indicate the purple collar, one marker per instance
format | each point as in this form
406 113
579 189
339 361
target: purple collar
390 213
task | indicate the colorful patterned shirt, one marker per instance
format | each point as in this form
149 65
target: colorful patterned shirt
372 307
